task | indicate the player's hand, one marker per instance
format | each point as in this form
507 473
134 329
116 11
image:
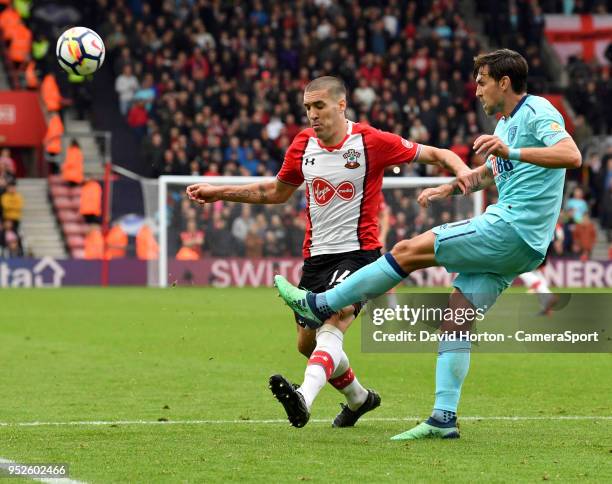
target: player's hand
487 144
203 193
467 179
437 193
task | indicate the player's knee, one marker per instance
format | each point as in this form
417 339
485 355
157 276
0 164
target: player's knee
403 252
403 248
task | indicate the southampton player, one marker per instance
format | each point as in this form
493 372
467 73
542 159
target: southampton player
536 283
526 158
342 164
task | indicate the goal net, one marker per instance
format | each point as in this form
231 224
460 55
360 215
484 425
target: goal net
232 244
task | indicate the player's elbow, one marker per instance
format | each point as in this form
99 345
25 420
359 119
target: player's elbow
573 159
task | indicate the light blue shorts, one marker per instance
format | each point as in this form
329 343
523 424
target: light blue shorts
487 253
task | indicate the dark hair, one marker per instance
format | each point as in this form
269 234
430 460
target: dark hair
334 85
504 62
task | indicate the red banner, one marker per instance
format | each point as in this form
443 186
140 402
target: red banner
21 119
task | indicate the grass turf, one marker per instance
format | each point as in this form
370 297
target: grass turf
206 354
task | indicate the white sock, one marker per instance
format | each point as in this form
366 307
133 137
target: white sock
536 283
542 288
345 381
322 363
531 280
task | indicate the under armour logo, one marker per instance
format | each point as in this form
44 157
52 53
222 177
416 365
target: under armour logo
309 161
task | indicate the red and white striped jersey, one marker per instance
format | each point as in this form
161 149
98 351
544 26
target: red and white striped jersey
343 185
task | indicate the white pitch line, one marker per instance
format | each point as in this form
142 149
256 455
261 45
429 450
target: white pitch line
40 479
94 423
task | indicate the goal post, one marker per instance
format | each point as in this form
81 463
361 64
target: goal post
399 192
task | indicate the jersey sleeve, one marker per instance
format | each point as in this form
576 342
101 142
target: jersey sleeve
291 170
391 149
549 127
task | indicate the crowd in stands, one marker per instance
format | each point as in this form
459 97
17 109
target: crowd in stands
217 88
221 95
11 206
214 88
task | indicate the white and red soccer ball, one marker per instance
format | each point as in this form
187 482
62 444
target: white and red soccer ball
80 51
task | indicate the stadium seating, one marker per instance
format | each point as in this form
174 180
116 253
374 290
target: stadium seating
66 203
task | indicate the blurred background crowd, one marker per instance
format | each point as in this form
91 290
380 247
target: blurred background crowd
215 88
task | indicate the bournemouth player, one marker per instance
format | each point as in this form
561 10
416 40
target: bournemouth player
342 163
526 159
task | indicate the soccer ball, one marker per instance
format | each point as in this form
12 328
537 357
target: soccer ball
80 51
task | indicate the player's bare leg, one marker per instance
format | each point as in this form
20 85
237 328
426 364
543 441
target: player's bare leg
451 369
306 340
327 362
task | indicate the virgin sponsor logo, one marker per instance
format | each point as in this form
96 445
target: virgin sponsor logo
324 192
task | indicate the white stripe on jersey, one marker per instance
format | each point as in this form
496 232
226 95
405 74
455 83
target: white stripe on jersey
336 188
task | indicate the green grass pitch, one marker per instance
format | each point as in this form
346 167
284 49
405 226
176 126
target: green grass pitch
200 359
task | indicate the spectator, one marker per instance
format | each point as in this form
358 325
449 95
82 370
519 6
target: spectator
126 86
606 213
138 118
364 96
6 231
582 132
153 152
21 46
146 245
254 244
241 226
50 93
146 93
91 202
577 204
271 246
116 242
221 240
12 205
585 236
192 237
460 148
7 164
72 168
13 247
559 237
6 178
280 234
94 244
53 141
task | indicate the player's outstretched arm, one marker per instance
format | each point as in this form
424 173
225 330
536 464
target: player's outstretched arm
563 154
466 178
267 192
481 177
443 158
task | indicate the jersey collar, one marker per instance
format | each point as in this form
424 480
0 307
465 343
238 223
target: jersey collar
518 106
349 131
